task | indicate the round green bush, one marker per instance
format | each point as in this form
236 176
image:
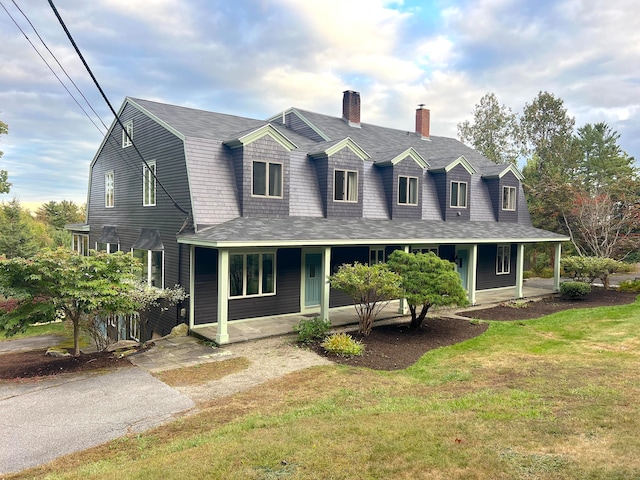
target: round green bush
343 344
575 290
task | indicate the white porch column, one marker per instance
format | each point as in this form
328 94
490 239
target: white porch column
556 268
326 288
520 270
473 273
403 306
192 286
222 336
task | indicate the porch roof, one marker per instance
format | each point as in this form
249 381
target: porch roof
305 231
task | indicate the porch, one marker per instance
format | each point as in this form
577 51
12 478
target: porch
252 329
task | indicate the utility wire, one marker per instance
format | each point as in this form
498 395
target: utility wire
60 65
104 96
50 68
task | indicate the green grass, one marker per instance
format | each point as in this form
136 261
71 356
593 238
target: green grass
57 328
552 398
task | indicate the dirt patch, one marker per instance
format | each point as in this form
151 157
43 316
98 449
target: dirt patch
35 363
524 310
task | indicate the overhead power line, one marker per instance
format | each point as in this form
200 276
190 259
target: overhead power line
104 96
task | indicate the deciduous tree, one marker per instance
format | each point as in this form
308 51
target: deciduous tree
61 280
4 183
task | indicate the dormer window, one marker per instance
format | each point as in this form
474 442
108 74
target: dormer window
345 186
459 194
267 179
509 198
127 134
408 190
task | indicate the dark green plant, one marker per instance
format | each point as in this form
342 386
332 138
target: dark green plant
343 344
311 329
587 269
575 290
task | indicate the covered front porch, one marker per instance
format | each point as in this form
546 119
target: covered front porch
253 329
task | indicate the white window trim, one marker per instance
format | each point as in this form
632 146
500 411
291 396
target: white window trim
244 275
506 252
379 252
109 189
425 249
80 243
466 194
408 179
513 207
146 176
128 128
266 195
150 266
346 182
110 247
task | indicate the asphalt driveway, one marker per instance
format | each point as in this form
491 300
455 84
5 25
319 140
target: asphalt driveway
45 419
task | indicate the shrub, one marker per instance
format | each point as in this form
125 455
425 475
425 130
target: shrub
546 272
343 344
311 329
630 286
527 274
575 290
587 269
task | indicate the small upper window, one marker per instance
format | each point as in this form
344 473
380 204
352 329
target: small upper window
459 194
149 184
509 198
408 190
109 189
345 186
267 179
127 134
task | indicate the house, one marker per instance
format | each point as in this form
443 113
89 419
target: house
250 216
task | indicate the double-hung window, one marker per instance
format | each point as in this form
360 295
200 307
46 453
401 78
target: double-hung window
152 266
408 190
109 189
509 198
459 194
345 186
267 179
127 139
149 184
252 274
503 260
107 247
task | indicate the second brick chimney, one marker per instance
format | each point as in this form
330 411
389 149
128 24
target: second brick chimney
422 121
351 108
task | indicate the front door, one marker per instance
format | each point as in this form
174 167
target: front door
462 266
312 279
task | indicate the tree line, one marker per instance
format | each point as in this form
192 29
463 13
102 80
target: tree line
578 182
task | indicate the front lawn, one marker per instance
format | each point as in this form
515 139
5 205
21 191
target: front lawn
552 398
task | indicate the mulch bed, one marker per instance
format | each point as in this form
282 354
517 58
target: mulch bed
25 365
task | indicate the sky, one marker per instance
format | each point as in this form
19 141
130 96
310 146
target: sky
255 58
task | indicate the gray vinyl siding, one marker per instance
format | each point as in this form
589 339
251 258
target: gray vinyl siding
480 204
375 205
287 297
457 174
431 209
406 168
128 215
305 199
486 269
339 256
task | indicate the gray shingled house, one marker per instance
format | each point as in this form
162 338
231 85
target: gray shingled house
250 216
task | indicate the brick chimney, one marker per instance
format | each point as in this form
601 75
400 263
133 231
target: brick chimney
422 121
351 108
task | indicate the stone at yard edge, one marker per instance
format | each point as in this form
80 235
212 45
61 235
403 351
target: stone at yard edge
57 352
122 344
181 330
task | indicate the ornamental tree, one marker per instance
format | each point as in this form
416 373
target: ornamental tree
371 287
63 282
427 280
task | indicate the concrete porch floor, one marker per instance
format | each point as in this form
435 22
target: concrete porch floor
245 330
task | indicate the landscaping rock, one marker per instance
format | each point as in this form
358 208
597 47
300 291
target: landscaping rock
122 344
181 330
57 352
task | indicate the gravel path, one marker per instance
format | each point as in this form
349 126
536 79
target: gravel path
270 358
